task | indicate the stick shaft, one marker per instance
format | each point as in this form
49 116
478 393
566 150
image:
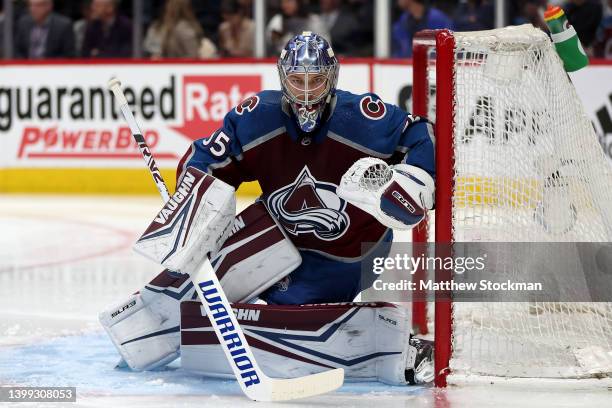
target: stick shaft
115 86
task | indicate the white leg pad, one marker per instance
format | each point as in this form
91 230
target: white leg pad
147 335
392 328
368 340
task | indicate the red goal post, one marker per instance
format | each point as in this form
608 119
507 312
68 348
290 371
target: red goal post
444 44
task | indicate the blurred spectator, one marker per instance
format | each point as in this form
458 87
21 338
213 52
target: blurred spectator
585 16
342 26
208 14
531 12
207 49
603 40
184 39
80 25
152 41
108 35
43 33
474 15
247 8
237 32
418 15
177 34
292 20
446 6
151 11
364 10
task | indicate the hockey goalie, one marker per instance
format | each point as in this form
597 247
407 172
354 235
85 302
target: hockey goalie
336 170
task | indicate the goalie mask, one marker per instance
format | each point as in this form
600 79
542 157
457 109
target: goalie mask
308 73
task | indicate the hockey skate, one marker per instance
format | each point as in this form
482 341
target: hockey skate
422 371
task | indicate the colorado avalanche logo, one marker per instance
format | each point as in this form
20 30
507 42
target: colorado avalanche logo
372 108
308 206
247 105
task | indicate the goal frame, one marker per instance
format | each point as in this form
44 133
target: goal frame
559 331
444 43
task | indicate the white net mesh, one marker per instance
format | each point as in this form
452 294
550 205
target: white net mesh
528 168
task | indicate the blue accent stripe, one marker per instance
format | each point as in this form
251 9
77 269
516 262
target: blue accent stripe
410 176
283 337
214 262
416 180
155 334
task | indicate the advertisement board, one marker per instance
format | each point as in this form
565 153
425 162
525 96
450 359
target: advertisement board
61 129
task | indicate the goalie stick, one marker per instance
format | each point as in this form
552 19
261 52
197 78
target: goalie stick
253 382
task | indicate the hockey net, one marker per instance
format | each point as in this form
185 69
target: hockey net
517 161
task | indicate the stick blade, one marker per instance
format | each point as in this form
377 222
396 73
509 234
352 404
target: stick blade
302 387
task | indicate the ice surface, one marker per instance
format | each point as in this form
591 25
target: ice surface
63 259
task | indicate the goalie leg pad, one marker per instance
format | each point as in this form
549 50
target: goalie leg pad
145 327
368 340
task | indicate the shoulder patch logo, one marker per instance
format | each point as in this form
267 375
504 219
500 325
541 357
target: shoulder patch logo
410 119
309 206
248 105
371 108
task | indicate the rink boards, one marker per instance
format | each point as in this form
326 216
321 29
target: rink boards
62 131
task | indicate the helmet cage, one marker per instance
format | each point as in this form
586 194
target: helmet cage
308 73
307 85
